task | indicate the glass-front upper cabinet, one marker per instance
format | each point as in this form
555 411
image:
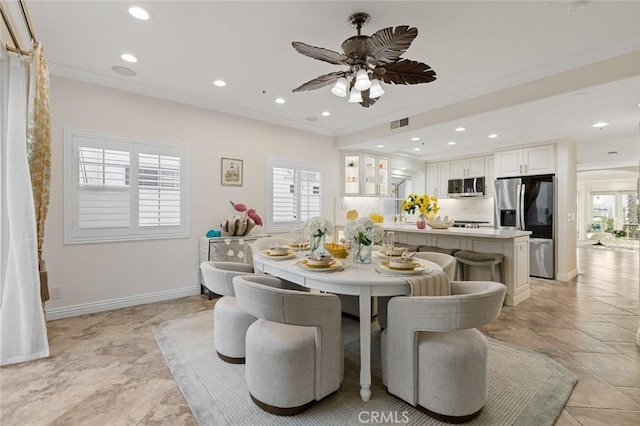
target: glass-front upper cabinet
351 181
366 174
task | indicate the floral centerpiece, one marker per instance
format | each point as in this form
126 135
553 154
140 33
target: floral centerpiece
318 228
363 232
426 206
241 224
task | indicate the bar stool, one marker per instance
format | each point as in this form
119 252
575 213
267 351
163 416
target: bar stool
472 258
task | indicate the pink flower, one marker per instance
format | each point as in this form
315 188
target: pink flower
239 206
253 215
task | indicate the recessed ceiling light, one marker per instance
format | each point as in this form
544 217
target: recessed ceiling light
415 139
129 58
379 146
280 101
451 143
493 135
128 72
311 118
417 149
326 113
612 152
600 124
220 83
460 129
139 13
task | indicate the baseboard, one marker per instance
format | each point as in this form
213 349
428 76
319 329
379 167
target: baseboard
123 302
568 276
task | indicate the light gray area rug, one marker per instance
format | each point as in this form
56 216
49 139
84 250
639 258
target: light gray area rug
525 388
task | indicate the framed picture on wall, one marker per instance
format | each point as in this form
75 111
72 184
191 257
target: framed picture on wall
231 172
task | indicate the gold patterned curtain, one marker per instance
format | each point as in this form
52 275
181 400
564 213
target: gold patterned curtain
39 150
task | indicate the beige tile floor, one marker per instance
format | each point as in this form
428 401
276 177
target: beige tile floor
105 368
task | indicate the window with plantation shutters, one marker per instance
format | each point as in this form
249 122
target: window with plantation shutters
124 188
295 193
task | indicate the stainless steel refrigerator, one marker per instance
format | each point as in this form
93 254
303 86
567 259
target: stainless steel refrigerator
528 203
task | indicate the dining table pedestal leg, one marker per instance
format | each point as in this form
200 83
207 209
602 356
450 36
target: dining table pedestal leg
365 342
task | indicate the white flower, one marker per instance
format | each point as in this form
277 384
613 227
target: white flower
318 226
364 229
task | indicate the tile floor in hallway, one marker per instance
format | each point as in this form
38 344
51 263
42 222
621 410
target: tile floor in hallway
105 368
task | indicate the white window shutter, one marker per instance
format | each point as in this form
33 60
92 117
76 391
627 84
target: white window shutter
294 190
159 190
284 198
119 188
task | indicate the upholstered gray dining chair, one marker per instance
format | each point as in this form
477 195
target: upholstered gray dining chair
230 322
294 350
433 357
445 261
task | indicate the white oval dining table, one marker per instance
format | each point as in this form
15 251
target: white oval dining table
355 279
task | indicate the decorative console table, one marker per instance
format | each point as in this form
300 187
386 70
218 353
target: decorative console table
226 249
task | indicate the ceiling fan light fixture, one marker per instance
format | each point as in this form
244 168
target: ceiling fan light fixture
362 80
368 57
356 95
340 88
376 89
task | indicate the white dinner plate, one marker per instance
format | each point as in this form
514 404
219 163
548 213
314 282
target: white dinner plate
333 266
381 254
288 255
299 246
418 269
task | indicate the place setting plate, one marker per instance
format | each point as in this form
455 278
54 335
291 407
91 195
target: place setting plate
288 255
381 254
418 268
334 265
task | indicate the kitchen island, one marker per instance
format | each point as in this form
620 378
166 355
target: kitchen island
514 245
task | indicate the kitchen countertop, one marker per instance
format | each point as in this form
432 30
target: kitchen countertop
461 232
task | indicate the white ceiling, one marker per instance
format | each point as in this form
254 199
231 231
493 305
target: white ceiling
528 71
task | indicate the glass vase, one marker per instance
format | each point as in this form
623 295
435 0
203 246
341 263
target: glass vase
361 251
316 244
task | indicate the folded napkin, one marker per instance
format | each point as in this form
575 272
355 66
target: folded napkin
435 283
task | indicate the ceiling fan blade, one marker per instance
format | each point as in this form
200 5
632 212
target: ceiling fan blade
366 100
406 71
388 44
322 81
320 53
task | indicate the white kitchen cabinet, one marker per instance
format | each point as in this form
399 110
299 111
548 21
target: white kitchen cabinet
521 267
467 168
444 174
432 179
365 174
489 177
538 160
438 179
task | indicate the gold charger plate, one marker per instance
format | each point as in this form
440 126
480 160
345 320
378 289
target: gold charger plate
332 266
418 268
288 255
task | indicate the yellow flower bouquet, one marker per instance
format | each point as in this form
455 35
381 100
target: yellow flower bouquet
423 204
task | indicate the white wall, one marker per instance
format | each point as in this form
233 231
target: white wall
106 275
566 256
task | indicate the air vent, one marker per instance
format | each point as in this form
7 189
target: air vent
400 123
612 152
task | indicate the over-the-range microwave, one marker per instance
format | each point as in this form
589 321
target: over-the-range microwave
469 187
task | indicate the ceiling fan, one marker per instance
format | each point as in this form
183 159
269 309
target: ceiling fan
371 59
